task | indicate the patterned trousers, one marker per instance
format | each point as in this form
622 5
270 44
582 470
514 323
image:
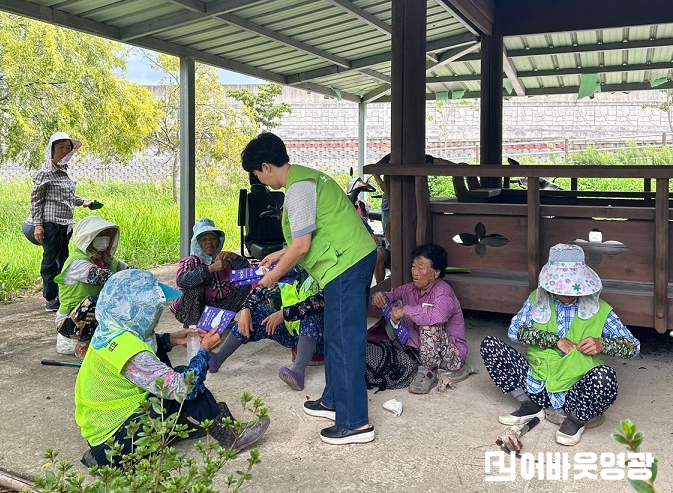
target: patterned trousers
437 349
589 397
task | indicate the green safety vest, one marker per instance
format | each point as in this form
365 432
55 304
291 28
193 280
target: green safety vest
104 398
340 240
71 294
291 294
560 372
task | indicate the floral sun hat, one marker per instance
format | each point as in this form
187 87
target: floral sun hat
567 274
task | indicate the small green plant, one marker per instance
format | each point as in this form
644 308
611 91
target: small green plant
633 439
154 465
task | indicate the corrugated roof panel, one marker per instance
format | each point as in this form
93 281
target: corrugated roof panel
130 12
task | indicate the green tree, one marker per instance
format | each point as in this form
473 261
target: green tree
261 103
55 79
221 131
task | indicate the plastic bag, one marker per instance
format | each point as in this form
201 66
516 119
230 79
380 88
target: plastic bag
65 345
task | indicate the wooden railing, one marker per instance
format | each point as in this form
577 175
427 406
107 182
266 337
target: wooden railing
636 277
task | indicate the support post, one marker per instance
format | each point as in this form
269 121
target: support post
362 138
491 103
187 153
407 131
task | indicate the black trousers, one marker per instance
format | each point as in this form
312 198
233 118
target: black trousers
55 253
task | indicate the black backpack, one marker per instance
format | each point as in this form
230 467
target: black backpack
389 365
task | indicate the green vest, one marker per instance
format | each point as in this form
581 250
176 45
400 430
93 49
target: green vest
291 294
104 398
340 240
559 372
71 294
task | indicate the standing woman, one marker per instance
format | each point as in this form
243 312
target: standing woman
52 206
327 238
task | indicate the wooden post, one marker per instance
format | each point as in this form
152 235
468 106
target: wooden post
407 131
661 257
533 232
491 104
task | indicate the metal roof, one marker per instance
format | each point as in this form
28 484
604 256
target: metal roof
342 48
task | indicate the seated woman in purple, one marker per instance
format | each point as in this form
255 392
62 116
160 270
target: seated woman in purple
430 311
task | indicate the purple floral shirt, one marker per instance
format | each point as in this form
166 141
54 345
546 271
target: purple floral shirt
437 305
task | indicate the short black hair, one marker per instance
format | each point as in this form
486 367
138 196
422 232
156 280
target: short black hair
265 148
435 254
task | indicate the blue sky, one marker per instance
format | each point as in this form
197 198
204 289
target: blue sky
139 71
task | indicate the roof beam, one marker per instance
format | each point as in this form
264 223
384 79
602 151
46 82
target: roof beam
598 70
563 50
457 15
631 86
362 14
328 91
193 5
375 94
475 15
543 91
451 56
535 17
59 18
511 73
183 18
245 24
365 62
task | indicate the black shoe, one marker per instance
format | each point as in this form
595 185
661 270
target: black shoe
570 431
52 305
318 409
88 459
524 414
341 436
251 435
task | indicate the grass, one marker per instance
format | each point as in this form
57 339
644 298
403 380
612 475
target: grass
148 218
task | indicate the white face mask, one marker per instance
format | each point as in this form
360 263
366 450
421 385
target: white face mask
100 243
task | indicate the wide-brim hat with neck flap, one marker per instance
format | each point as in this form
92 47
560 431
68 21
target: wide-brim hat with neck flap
203 226
567 274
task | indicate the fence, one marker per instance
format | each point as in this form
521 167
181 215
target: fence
339 156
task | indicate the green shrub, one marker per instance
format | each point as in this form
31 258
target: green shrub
633 439
154 465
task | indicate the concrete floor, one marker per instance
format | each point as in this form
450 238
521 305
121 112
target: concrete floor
437 444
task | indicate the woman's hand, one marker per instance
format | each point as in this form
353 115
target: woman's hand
267 281
245 322
397 313
211 340
272 258
218 265
226 256
590 346
379 300
565 345
273 321
38 234
179 338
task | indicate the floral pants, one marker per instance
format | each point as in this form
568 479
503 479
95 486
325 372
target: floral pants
589 397
437 349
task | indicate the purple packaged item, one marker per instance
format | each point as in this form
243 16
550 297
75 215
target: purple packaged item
215 317
400 330
252 275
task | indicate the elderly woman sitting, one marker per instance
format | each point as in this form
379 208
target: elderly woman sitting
84 274
204 275
431 312
568 331
127 358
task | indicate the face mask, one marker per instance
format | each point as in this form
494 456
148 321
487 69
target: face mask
100 243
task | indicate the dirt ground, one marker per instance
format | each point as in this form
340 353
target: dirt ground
439 443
